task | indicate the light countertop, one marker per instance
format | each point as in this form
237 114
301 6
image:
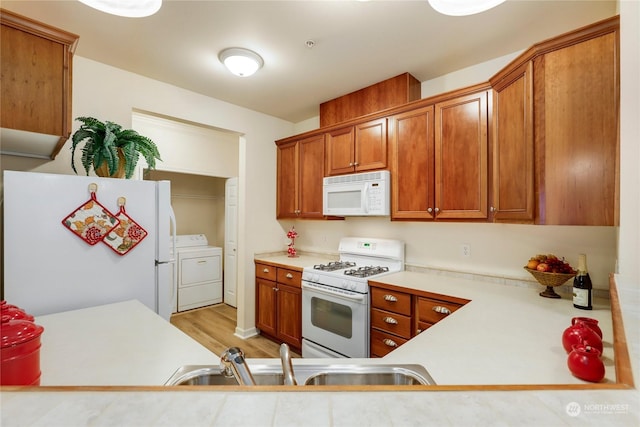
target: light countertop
597 407
115 344
504 335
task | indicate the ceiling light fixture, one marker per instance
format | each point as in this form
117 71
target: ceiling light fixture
127 8
463 7
241 62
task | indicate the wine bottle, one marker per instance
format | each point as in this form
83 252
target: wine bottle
582 286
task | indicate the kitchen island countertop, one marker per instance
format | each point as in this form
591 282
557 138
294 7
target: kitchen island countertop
152 406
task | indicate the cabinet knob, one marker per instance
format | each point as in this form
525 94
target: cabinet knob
418 331
265 270
289 276
492 209
390 320
429 210
390 298
440 309
275 289
389 343
437 210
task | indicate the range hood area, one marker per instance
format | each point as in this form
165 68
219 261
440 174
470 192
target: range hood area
30 144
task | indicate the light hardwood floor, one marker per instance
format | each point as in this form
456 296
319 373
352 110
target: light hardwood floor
213 327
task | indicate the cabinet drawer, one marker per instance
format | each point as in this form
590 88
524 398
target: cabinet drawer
433 310
289 277
266 272
394 301
394 323
383 343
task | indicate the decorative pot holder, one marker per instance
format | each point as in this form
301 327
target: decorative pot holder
127 234
91 221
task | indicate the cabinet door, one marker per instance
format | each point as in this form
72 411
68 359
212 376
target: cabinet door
411 147
36 67
289 310
287 181
371 145
577 132
311 172
340 151
266 306
513 192
461 157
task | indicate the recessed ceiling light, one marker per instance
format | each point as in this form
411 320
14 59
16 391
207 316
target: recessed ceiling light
463 7
128 8
241 62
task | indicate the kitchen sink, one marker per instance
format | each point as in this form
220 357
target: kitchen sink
371 375
309 375
211 375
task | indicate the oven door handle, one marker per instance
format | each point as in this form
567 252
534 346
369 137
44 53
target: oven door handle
353 297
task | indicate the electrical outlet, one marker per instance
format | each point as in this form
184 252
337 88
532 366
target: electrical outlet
465 251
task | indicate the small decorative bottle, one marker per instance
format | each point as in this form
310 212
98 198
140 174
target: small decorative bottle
582 286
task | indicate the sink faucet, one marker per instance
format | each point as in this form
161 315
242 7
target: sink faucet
232 364
287 366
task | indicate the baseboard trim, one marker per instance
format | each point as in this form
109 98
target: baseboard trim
245 333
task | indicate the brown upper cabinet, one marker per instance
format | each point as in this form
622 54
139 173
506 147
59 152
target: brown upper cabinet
538 143
576 130
439 159
513 167
299 182
358 148
36 65
461 157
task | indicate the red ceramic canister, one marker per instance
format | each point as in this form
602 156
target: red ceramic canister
20 352
580 333
592 323
584 363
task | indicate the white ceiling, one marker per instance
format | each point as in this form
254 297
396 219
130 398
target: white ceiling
357 43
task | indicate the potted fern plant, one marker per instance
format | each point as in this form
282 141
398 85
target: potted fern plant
110 150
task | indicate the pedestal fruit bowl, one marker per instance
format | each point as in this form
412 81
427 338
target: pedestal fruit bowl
549 271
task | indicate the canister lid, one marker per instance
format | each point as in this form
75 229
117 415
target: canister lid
16 331
13 311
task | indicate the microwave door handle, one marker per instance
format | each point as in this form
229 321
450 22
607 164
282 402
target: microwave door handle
365 195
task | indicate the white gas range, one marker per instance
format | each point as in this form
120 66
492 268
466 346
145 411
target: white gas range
335 296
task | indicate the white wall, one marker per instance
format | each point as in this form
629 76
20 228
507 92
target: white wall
113 94
629 239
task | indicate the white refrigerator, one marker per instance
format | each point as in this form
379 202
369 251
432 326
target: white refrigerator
48 268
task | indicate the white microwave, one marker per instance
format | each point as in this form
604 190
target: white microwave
359 194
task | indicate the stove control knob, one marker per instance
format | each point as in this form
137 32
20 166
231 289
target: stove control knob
344 284
353 286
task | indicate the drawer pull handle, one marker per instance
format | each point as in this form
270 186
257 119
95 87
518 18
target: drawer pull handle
390 320
265 270
389 343
289 276
440 309
202 261
390 298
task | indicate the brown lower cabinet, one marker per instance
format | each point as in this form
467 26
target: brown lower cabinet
399 314
279 304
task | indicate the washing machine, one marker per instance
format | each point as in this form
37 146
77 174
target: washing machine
199 272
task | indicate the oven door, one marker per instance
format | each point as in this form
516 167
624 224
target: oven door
336 319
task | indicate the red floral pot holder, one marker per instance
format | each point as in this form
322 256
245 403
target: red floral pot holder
127 234
91 221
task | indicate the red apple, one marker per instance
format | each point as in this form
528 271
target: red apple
543 266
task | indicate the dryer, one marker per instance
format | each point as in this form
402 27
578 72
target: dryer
199 272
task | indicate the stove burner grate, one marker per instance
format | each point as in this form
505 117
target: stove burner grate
366 271
334 265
